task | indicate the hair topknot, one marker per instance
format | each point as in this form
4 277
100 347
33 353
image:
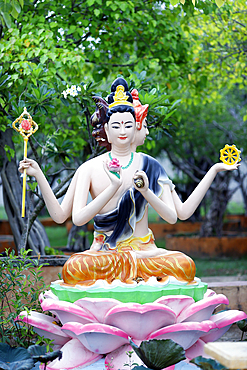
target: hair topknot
119 81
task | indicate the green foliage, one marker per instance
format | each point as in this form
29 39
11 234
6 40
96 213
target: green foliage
39 353
158 354
14 358
52 251
9 9
242 324
169 50
207 363
21 282
24 359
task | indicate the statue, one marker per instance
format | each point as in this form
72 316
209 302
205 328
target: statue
122 183
120 199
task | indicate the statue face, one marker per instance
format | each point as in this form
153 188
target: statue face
141 134
121 129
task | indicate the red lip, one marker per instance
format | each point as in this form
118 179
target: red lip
122 138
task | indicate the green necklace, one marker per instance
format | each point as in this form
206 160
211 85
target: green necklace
125 167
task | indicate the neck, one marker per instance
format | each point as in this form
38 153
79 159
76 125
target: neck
120 152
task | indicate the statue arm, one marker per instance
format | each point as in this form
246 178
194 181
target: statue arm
186 209
164 206
58 212
83 212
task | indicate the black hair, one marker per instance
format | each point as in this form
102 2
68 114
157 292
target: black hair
120 108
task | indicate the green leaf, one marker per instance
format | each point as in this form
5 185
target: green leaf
39 354
219 3
7 19
242 324
16 5
207 363
65 102
16 358
174 2
97 12
43 59
158 354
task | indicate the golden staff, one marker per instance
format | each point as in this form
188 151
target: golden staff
26 128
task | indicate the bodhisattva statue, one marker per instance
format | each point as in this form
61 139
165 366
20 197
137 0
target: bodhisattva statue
123 246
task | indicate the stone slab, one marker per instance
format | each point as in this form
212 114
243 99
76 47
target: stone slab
232 355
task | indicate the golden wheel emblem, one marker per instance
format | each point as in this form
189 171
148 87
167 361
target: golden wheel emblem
230 154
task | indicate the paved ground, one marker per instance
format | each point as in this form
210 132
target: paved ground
212 279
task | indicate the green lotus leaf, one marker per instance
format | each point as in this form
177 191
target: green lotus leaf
14 358
242 324
38 353
10 354
158 354
207 363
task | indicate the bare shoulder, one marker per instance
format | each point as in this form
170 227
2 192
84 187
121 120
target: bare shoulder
91 165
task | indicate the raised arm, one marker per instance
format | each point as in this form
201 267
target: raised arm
58 212
186 209
83 212
164 206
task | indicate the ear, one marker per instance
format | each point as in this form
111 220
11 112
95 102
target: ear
107 132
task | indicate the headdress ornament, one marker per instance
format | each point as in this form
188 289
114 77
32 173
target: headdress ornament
141 111
120 97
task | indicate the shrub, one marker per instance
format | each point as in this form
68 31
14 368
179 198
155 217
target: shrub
21 283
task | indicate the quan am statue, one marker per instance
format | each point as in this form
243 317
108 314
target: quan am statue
122 183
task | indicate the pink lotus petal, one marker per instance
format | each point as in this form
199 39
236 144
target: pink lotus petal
118 358
209 293
97 306
67 311
44 326
203 309
185 334
47 294
74 355
176 302
223 321
139 320
197 349
98 338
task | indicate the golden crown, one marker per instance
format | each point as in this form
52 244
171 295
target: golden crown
120 97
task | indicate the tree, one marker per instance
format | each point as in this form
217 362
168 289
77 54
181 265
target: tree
87 43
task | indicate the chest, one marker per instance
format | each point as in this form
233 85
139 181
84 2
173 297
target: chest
100 180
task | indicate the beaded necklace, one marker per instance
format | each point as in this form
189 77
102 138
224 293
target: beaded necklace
130 161
125 167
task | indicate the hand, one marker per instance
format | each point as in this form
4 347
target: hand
141 175
115 180
31 167
226 167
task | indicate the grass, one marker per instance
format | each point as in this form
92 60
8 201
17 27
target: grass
234 208
3 215
57 236
220 266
